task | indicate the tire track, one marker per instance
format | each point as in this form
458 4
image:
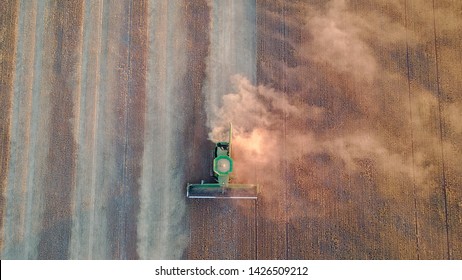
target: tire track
441 134
447 28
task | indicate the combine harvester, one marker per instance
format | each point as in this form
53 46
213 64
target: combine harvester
222 168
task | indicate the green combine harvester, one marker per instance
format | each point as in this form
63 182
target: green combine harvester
222 169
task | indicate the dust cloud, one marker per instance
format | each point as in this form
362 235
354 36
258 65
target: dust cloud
264 136
340 101
258 115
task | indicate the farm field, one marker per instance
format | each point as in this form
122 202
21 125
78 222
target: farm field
347 113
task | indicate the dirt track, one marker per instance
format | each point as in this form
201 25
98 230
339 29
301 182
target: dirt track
107 107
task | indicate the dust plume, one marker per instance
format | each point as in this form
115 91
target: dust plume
268 130
340 112
257 115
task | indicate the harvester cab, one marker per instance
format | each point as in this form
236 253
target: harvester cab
222 169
